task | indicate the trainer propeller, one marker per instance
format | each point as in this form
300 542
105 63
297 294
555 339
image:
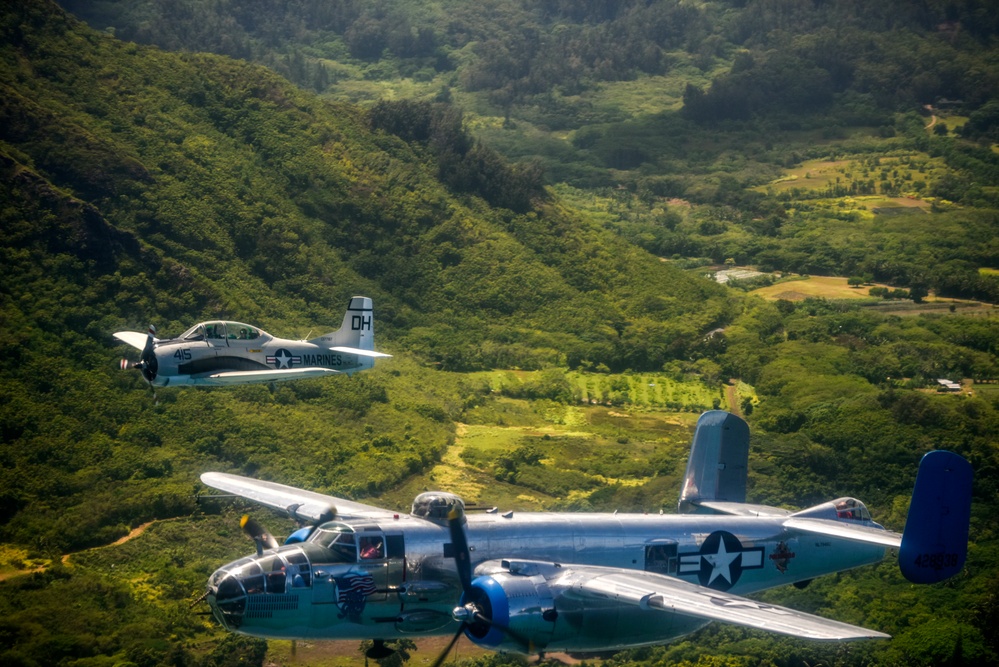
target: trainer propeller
147 363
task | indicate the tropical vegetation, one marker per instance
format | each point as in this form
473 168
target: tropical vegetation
532 194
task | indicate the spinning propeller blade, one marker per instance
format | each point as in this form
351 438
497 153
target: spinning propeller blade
147 363
450 645
256 532
147 360
462 555
471 612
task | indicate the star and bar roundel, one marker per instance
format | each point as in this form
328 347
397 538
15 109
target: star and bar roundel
284 359
720 561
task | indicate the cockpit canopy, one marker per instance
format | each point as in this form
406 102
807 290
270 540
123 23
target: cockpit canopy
849 509
435 505
348 544
220 331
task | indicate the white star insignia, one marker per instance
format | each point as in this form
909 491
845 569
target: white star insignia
721 563
283 359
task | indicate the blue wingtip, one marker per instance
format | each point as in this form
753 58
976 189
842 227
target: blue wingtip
935 540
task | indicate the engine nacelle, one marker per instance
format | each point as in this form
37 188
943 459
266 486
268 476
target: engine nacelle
534 606
518 602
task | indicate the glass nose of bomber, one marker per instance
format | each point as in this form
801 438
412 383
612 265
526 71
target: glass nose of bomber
227 593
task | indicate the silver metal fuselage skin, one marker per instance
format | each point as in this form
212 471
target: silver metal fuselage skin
190 362
417 584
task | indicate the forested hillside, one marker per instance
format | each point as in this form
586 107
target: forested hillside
682 115
143 186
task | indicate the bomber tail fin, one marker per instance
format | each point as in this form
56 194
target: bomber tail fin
718 463
935 539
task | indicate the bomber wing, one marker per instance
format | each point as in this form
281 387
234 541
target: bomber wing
857 533
298 503
652 591
740 509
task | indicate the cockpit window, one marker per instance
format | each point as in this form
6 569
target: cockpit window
222 331
275 573
299 572
215 330
240 331
252 577
197 332
339 539
853 509
371 547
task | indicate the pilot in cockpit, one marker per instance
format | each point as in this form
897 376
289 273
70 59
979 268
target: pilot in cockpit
372 547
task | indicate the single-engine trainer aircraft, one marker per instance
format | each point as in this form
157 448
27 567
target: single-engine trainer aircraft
577 582
223 353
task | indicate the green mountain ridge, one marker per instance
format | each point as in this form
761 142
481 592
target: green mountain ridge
142 186
145 186
230 171
653 106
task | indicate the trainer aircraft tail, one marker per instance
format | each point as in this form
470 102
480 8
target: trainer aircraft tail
356 334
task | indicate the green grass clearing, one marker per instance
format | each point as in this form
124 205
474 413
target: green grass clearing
909 174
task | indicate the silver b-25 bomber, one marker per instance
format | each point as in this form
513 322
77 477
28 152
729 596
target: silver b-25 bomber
530 582
223 352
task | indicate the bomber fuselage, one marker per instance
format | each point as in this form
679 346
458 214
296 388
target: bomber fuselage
398 578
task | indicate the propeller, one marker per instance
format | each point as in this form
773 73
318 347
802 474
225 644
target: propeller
307 527
256 532
147 359
147 363
459 542
476 608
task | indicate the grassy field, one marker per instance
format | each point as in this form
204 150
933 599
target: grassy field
651 390
824 287
622 443
639 390
830 287
910 173
602 449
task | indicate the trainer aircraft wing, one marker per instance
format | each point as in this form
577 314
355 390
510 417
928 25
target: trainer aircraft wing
857 533
276 374
648 590
298 503
133 338
361 353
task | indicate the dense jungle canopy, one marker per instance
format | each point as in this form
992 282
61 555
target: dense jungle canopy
533 194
